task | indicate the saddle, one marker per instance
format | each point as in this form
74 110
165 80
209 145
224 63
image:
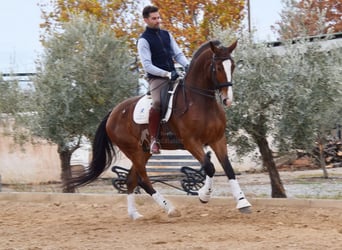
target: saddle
141 115
142 108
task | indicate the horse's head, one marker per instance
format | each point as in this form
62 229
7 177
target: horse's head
211 69
222 67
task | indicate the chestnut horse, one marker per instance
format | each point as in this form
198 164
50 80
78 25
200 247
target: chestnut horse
197 120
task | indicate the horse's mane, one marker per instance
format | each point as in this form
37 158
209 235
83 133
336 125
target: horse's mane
203 47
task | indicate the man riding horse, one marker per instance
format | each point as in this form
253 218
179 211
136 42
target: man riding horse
198 118
158 51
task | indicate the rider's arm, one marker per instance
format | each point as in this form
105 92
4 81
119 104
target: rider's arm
146 59
178 55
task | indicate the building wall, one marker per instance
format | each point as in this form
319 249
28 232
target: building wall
34 164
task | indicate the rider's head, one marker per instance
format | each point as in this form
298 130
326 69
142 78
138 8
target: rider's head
151 17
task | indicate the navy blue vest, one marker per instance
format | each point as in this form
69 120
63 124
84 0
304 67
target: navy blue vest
160 46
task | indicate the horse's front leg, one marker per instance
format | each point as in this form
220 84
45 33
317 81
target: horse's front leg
242 203
221 152
145 183
204 193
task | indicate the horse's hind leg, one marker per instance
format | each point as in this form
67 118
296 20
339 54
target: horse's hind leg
139 176
146 184
132 183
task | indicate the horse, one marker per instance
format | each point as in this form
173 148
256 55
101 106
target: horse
198 120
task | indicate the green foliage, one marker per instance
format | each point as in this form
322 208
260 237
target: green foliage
9 93
313 95
290 93
85 71
257 94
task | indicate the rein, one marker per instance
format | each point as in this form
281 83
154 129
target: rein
204 92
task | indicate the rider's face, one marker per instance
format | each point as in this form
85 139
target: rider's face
153 21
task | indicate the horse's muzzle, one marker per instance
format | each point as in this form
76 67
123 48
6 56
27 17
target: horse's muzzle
226 102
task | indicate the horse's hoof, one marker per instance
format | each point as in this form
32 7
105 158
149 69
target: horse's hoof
204 196
245 210
202 201
174 213
135 215
242 203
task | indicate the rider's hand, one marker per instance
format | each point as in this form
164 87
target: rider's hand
186 68
174 75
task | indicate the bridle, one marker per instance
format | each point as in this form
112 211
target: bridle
218 85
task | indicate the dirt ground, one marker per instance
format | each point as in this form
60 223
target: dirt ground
96 218
77 223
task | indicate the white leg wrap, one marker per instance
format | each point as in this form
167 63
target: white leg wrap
132 211
161 201
238 195
205 192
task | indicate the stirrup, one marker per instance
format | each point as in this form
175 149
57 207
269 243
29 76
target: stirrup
155 147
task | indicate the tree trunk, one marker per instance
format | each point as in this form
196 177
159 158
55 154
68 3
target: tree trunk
321 159
258 132
278 190
65 156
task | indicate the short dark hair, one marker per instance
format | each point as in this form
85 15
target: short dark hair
149 9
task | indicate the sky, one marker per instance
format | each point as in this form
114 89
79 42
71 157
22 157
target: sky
20 19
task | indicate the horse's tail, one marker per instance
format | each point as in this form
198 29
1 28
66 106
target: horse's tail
102 157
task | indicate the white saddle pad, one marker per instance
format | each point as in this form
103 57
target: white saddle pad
142 110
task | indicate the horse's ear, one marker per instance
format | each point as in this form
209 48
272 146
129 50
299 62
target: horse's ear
232 46
213 47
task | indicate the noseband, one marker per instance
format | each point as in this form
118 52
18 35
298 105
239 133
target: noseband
218 85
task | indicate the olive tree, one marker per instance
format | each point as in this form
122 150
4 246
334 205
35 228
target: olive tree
83 73
312 103
283 97
257 94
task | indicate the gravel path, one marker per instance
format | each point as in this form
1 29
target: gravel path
298 184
